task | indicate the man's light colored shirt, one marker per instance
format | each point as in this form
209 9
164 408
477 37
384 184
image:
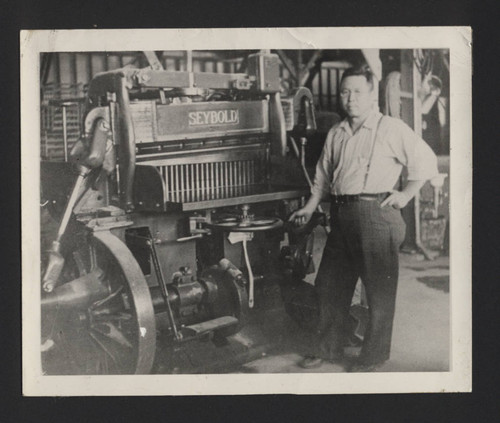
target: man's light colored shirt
343 164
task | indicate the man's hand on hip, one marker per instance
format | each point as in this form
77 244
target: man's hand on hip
397 199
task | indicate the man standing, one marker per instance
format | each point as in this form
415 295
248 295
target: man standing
360 164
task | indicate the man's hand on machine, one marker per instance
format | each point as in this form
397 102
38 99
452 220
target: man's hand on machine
301 217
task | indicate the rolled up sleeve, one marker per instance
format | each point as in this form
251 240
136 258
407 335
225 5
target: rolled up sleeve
414 153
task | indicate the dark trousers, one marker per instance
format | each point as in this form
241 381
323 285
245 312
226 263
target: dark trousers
364 242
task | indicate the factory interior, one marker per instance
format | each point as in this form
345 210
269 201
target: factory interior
277 331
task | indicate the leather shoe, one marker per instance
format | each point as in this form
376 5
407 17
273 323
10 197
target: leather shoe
364 368
311 362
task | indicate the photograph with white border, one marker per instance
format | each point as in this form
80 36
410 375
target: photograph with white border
246 211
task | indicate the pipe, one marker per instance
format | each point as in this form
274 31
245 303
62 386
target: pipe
250 275
302 157
127 144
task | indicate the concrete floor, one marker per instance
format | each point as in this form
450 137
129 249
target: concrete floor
273 343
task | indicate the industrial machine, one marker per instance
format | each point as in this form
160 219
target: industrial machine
171 210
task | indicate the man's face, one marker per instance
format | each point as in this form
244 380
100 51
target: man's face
356 96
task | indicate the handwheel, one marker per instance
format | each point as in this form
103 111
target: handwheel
256 224
112 334
245 223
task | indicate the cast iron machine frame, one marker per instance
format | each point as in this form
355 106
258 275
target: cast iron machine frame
174 170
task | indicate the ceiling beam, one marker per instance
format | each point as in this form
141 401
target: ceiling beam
288 63
309 66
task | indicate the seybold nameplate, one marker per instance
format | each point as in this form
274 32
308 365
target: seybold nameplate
210 119
214 117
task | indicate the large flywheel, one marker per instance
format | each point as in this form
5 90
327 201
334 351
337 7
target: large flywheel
103 321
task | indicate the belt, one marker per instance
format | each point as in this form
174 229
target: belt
344 199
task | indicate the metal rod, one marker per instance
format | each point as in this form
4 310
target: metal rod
249 164
165 178
207 180
236 177
200 180
161 282
232 177
118 181
191 168
197 180
171 168
250 275
242 169
182 183
244 172
203 180
243 178
217 170
65 134
212 178
176 183
240 173
199 172
223 178
234 169
226 178
230 173
72 201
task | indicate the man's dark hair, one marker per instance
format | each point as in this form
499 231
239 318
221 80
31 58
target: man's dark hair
363 70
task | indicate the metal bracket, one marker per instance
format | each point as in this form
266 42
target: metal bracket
96 113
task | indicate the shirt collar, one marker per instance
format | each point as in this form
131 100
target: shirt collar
370 122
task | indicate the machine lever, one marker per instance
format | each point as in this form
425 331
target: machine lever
161 282
189 238
244 237
56 260
301 155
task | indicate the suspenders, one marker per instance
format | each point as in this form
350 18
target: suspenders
372 148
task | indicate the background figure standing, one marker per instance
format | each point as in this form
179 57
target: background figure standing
360 165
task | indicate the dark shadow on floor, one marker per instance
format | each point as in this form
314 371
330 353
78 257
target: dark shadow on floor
440 283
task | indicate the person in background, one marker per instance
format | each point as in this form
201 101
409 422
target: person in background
360 164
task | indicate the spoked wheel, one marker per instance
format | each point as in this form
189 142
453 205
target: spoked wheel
107 324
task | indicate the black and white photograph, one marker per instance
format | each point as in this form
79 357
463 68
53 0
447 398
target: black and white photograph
245 211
